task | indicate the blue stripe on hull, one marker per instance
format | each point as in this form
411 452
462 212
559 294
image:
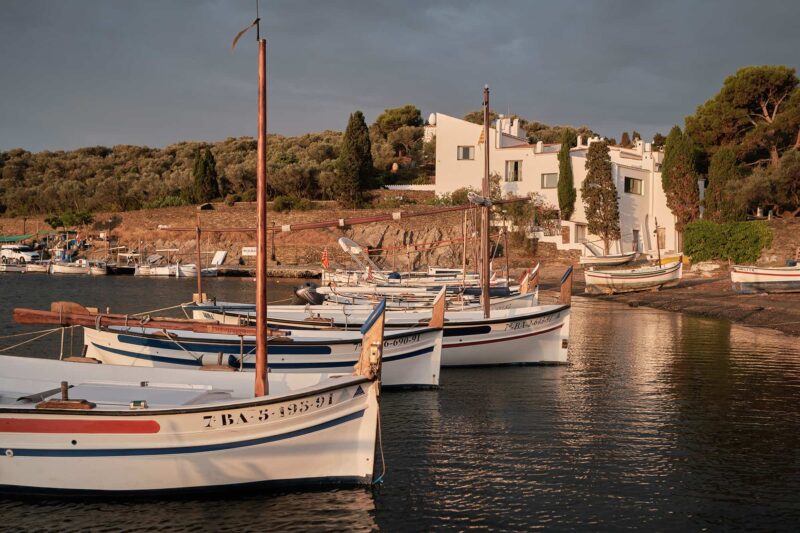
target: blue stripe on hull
275 349
234 362
774 286
186 449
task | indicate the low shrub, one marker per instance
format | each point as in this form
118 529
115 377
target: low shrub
740 242
283 204
232 199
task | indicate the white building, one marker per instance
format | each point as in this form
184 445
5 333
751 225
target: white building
533 168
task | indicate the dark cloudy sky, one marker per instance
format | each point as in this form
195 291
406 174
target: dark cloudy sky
89 72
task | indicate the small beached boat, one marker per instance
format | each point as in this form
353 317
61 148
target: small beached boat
12 267
631 280
753 279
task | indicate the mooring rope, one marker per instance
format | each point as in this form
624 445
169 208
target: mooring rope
29 340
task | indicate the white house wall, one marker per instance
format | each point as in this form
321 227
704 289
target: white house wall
637 212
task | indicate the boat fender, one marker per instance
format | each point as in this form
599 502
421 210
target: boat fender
307 294
395 275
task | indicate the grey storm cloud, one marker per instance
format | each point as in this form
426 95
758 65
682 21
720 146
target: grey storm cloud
153 72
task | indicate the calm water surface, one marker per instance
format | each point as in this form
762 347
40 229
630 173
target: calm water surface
661 421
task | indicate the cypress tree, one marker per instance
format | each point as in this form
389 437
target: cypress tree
354 167
600 195
204 172
679 178
566 183
625 142
722 172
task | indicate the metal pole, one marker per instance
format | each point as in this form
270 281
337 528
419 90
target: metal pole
485 208
261 384
464 251
199 268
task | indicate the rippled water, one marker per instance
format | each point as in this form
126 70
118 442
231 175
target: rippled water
661 421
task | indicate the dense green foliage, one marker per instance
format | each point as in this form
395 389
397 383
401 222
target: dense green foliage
756 116
740 242
723 173
282 204
658 141
354 167
566 182
69 219
397 147
125 177
625 140
204 173
600 195
679 178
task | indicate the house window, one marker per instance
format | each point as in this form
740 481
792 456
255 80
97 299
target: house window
633 186
466 152
550 181
513 170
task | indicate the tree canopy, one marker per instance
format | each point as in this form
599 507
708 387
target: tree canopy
354 167
723 176
679 178
600 195
757 112
566 183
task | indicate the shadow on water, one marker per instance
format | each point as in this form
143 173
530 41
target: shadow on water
661 421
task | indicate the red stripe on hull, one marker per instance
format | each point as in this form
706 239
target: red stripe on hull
30 425
502 339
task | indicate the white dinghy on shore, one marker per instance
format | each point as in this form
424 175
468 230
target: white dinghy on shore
632 280
754 279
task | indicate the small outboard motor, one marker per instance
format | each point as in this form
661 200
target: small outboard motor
307 294
395 275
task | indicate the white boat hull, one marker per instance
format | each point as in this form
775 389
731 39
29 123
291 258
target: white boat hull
315 435
410 358
68 268
174 271
11 267
751 279
37 267
642 279
531 335
608 260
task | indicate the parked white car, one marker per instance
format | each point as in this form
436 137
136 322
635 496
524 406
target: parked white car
18 253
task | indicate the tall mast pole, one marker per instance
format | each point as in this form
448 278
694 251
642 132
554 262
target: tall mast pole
200 298
261 384
485 207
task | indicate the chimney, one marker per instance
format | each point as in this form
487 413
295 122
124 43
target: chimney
539 147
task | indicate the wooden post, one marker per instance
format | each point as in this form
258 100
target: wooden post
565 294
261 383
485 208
658 243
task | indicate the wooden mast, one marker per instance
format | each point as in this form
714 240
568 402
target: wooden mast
261 383
199 298
485 207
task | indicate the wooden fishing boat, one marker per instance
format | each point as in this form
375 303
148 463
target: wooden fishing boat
68 427
753 279
79 267
608 260
632 280
411 358
12 267
40 267
98 268
530 335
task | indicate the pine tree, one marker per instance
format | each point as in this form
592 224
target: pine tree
566 183
354 167
600 195
679 178
722 172
204 172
